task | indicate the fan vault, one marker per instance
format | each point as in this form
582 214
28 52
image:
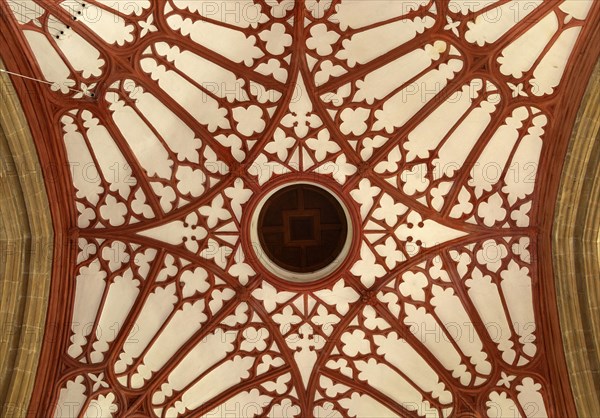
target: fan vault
435 122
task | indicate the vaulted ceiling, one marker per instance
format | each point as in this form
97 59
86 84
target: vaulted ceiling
437 124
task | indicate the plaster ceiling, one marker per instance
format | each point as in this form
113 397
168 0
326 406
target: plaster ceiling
429 119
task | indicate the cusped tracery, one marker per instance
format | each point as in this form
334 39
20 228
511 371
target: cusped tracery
430 118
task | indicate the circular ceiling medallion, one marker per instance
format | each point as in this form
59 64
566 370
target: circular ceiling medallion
301 232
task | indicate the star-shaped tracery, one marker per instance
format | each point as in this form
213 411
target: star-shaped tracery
428 117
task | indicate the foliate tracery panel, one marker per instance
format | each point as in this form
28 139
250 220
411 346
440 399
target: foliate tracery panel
428 118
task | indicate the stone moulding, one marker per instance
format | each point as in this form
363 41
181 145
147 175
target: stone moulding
26 246
576 253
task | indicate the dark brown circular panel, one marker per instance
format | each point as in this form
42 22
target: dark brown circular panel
302 228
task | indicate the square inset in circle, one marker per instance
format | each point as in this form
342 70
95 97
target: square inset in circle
302 228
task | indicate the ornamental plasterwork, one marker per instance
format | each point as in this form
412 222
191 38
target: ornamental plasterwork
428 118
